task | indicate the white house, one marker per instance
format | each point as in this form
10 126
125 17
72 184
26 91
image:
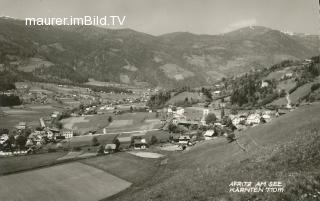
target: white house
253 119
54 114
139 144
4 138
208 135
67 133
289 75
184 139
180 111
264 84
21 125
266 117
109 148
216 92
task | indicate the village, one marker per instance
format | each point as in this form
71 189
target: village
180 127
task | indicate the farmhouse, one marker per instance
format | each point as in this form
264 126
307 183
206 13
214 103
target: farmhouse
216 92
184 139
180 111
253 119
55 114
4 138
21 126
67 133
140 144
187 123
109 148
264 84
209 134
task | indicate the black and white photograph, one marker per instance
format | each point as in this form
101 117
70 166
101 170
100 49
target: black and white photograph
160 100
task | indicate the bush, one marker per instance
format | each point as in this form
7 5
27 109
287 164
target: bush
211 118
51 150
9 100
117 143
315 86
76 148
154 140
101 150
110 119
94 141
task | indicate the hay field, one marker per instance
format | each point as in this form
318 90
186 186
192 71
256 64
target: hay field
71 181
15 164
120 123
126 166
86 123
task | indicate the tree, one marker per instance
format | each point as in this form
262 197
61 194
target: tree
181 129
94 141
234 111
222 113
117 143
172 128
211 118
207 93
194 127
21 141
100 150
153 140
110 119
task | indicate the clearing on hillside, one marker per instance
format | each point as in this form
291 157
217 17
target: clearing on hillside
72 181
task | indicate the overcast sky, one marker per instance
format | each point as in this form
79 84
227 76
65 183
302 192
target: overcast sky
163 16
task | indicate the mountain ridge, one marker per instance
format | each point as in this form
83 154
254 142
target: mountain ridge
131 57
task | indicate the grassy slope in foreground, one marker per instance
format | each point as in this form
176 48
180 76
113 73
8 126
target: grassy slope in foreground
287 150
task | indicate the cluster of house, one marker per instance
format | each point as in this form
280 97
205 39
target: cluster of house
245 119
242 120
48 135
39 136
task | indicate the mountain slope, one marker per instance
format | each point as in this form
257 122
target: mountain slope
74 54
285 150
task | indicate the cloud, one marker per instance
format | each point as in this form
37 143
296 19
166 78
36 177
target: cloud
240 24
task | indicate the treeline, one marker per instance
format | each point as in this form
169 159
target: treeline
62 72
106 89
159 100
247 91
7 81
9 100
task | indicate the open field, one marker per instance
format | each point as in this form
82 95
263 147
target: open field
133 122
126 166
70 122
86 123
71 181
15 164
294 96
86 140
29 113
192 96
121 123
145 154
278 74
287 85
286 150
